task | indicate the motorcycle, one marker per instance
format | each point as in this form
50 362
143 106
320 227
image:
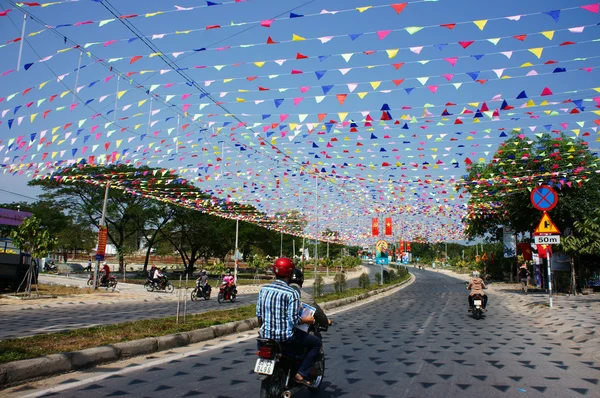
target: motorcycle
280 365
197 292
165 285
477 306
110 283
226 293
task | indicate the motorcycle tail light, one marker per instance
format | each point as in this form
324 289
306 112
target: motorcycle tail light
265 352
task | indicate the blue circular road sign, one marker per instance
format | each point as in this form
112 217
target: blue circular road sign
544 198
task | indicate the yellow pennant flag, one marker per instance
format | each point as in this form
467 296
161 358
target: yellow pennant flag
549 34
260 64
375 85
362 95
121 93
392 53
537 51
295 37
363 9
481 23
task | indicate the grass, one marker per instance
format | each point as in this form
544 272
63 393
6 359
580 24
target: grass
53 343
36 346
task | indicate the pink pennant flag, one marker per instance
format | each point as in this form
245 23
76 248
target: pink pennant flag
433 89
452 61
448 76
595 8
266 23
304 89
383 34
298 100
546 91
108 43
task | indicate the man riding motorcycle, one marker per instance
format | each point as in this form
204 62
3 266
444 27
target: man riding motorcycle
203 279
230 281
277 310
476 286
106 270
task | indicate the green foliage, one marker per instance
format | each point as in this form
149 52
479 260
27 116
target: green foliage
31 238
586 237
318 286
350 262
499 192
339 282
377 277
364 281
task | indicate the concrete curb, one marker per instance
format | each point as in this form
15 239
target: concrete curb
51 365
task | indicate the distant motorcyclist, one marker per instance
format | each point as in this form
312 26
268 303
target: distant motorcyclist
106 270
203 280
158 276
229 280
476 286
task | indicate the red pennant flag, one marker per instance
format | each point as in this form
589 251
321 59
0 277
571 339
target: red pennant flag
388 226
448 25
520 37
135 58
341 98
375 226
465 44
398 66
271 41
399 7
300 56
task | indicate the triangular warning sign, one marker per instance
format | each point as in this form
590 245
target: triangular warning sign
546 226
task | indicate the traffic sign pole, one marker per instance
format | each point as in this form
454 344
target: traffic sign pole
549 277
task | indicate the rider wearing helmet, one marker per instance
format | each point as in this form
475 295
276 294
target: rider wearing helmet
296 282
203 280
278 312
476 286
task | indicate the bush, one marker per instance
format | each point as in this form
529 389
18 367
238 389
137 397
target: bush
377 277
389 276
364 281
318 286
339 282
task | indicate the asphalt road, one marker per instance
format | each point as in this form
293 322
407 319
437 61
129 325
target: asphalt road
418 342
56 319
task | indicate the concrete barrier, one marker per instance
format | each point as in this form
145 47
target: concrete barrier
19 371
199 335
93 356
137 347
172 341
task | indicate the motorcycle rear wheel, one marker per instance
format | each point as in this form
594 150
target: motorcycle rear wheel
318 381
272 386
112 285
232 297
90 282
206 295
477 313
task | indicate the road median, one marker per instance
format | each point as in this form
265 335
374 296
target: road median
54 363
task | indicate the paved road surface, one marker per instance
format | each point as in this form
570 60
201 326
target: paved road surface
46 320
418 342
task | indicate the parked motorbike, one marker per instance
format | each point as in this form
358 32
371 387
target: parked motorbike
279 365
226 293
197 292
164 285
110 283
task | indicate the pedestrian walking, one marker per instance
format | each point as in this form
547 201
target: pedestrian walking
524 277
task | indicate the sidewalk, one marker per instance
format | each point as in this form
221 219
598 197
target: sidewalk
572 318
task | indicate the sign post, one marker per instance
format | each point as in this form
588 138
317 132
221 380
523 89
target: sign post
545 198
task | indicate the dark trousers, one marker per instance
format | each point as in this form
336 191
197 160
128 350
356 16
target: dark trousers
485 300
309 342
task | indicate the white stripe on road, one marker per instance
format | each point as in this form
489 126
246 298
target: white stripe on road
427 322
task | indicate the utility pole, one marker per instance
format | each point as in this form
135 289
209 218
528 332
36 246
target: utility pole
102 225
235 256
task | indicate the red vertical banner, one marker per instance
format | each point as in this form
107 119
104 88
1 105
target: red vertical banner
401 246
388 226
407 246
375 226
102 239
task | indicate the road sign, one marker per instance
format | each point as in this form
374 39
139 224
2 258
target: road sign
546 239
382 261
484 257
546 226
544 198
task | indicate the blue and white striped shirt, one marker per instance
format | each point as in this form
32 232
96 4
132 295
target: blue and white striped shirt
278 306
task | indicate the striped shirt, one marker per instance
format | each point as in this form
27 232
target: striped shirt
278 307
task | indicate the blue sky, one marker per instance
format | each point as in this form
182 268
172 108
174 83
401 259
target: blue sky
347 52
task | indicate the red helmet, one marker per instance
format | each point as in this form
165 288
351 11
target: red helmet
283 267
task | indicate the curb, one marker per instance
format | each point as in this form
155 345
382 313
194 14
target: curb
51 365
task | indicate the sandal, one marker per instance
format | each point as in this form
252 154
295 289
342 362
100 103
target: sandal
303 382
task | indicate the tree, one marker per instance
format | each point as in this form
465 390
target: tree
33 239
81 192
499 191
